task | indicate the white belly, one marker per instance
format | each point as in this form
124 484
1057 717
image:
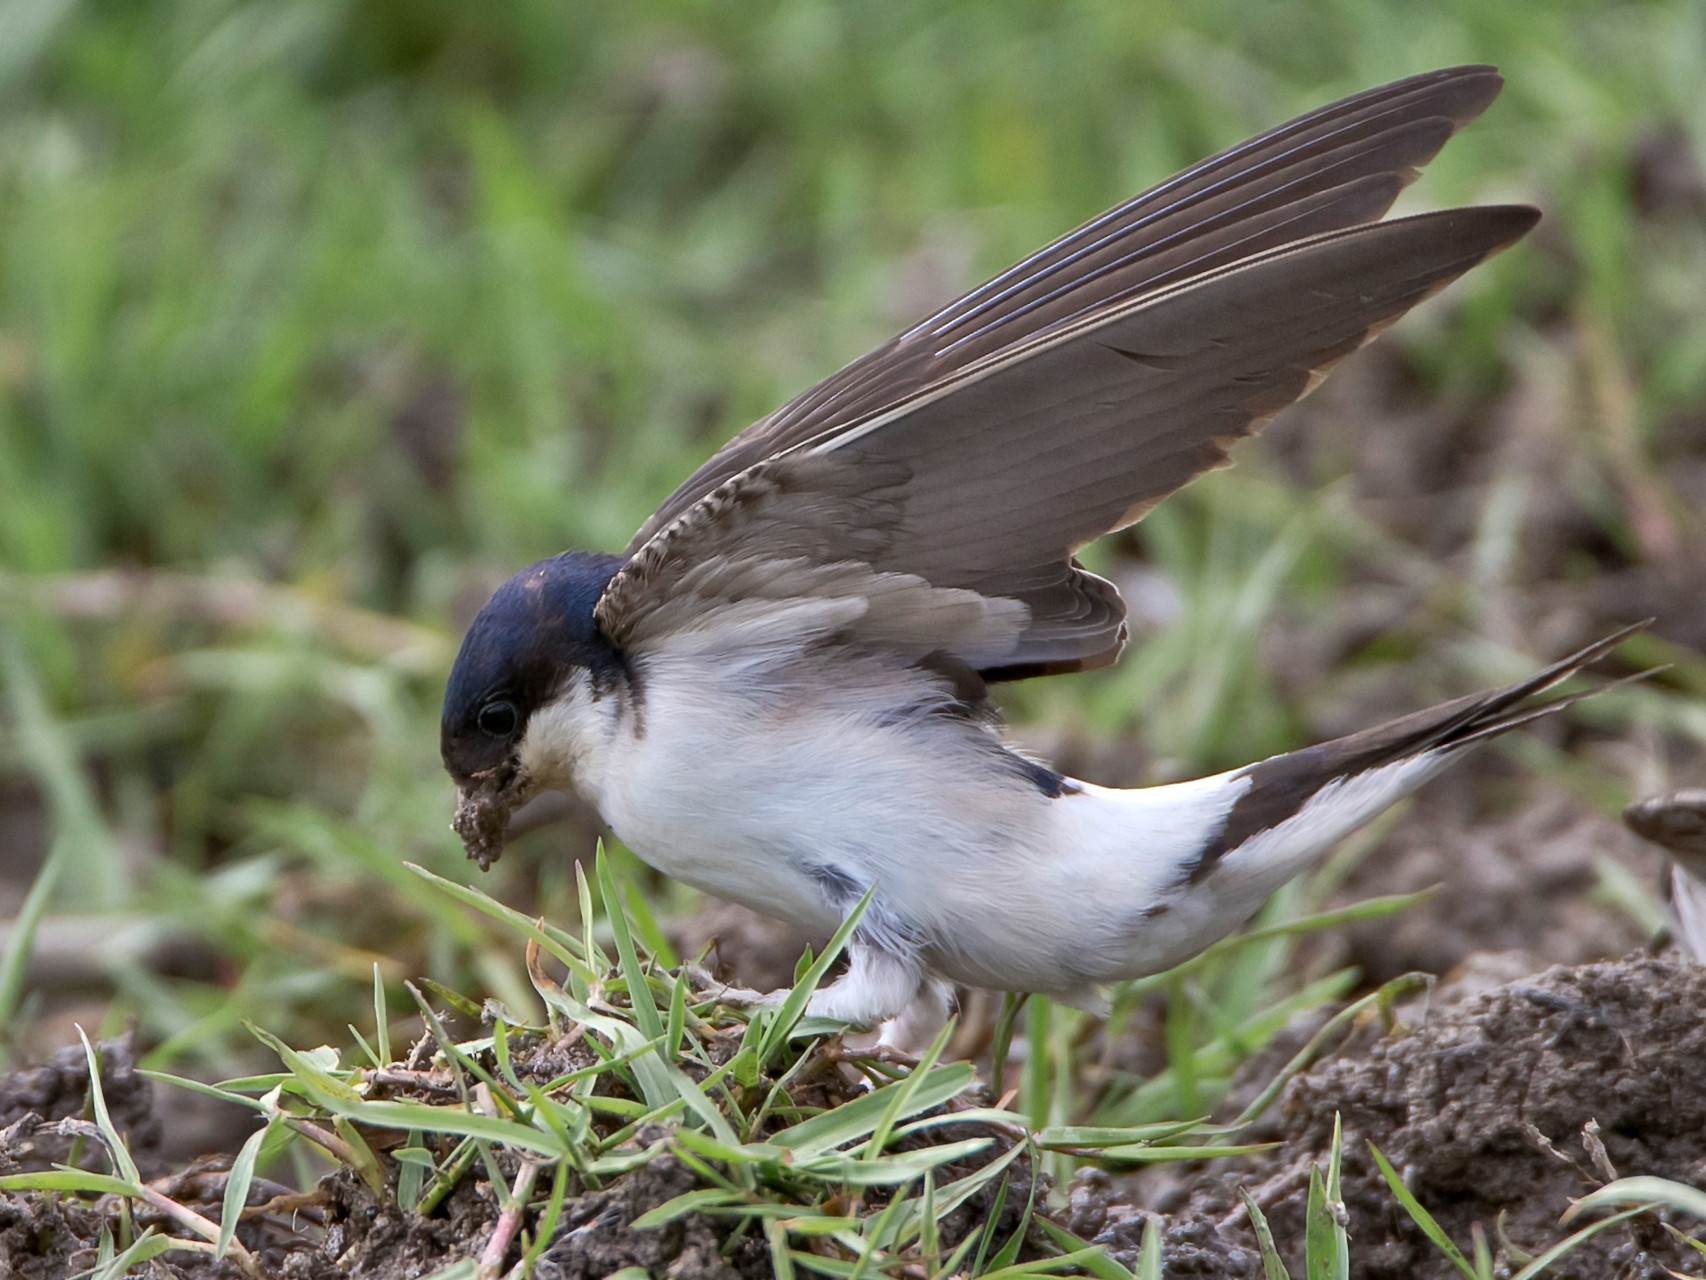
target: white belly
1001 885
721 793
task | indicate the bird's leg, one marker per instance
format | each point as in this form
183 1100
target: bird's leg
915 1028
881 980
884 978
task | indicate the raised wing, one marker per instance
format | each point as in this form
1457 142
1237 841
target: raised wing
981 485
1337 167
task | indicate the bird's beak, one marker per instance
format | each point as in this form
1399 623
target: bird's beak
483 810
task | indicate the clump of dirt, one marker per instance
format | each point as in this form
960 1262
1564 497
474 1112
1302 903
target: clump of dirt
59 1090
41 1125
1496 1110
597 1238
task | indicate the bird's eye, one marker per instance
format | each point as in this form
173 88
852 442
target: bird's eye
497 719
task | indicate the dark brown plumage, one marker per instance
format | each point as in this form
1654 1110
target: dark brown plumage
1067 396
1340 166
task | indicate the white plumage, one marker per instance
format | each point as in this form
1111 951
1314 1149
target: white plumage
749 768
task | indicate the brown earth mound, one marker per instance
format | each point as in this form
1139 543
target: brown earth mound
1490 1110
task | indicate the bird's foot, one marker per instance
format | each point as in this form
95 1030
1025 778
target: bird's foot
746 997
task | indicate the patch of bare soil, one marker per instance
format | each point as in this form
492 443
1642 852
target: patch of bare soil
1496 1110
370 1239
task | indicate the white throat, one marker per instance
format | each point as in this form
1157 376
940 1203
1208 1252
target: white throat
567 743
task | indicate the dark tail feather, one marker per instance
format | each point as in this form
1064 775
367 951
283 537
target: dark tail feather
1485 714
1493 728
1281 786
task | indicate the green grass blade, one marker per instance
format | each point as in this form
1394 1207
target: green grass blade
891 1170
781 1261
1483 1254
1565 1246
954 1194
1273 1268
682 1205
1318 1231
211 1090
639 989
857 1119
390 1114
367 1050
1422 1218
1341 1259
1181 1047
589 924
929 1221
793 1007
645 924
20 945
1065 1264
1016 1241
1149 1255
546 1231
381 1020
1683 1238
1368 909
986 1237
551 940
99 1184
1644 1190
237 1184
1389 991
1062 1137
122 1162
869 1252
1333 1162
1096 1260
677 1024
145 1248
1034 1091
1167 1155
92 867
321 1086
904 1092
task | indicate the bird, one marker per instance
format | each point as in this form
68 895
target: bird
780 691
1676 822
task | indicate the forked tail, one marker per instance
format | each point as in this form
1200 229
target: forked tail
1283 788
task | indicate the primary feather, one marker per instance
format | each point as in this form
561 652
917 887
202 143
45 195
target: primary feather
1340 166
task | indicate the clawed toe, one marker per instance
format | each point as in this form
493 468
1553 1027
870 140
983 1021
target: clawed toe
745 997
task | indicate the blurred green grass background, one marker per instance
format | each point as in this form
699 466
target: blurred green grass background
320 317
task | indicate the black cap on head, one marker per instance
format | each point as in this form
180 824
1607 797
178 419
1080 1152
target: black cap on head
533 632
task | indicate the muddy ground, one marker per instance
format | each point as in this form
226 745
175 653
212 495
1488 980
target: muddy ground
1497 1108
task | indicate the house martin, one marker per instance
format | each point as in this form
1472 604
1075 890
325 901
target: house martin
779 691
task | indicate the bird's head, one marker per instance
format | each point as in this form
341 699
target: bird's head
534 645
